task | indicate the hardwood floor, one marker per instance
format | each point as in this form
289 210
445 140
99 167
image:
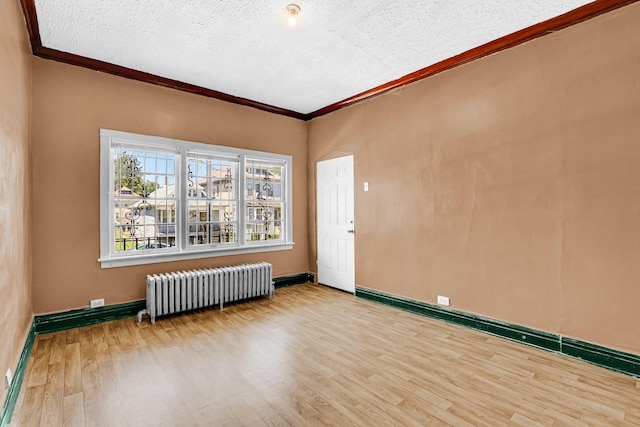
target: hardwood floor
311 356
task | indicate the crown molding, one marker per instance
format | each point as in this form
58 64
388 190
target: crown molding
570 18
29 9
549 26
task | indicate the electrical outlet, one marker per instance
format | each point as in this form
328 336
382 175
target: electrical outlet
366 186
443 300
97 302
7 379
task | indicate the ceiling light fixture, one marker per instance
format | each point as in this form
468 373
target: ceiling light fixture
293 10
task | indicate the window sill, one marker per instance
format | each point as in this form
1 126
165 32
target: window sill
111 262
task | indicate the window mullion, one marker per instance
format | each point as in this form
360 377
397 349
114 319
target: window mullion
284 202
182 207
242 229
108 226
287 209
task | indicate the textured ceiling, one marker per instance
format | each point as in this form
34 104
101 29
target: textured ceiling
246 48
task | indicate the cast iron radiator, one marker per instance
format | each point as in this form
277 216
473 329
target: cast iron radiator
179 291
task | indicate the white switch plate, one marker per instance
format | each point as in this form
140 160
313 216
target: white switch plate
366 186
443 300
97 302
7 379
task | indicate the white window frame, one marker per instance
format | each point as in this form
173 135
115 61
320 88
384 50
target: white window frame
182 251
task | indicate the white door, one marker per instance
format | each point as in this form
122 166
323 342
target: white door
335 223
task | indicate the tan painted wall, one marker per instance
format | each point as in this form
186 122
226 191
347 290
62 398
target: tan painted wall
15 95
70 105
510 184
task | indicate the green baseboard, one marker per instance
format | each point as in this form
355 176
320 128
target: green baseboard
615 360
86 316
18 376
297 279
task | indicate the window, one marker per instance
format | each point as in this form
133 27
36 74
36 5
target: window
264 201
164 200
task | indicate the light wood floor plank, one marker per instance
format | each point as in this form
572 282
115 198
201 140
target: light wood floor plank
30 412
312 356
72 369
72 336
53 394
58 345
40 367
73 410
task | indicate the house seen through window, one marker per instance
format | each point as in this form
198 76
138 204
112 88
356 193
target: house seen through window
177 200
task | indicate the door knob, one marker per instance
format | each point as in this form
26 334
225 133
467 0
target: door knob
351 231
